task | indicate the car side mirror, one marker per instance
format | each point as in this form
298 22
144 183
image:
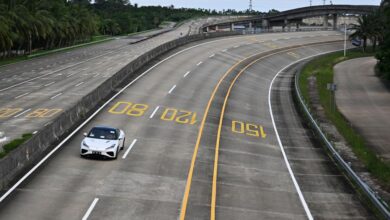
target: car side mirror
85 134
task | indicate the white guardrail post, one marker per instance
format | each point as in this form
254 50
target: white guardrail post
374 197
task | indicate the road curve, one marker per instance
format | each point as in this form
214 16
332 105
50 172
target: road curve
163 114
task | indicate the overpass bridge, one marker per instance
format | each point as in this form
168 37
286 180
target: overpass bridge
294 16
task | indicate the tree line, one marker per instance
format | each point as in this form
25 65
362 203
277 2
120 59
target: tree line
28 25
375 28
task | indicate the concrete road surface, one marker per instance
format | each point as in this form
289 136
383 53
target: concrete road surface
33 92
200 143
365 101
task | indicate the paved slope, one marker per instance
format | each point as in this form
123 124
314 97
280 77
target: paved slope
163 111
365 101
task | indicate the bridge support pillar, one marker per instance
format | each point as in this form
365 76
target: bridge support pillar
335 18
216 28
232 27
207 29
326 21
286 24
297 26
264 24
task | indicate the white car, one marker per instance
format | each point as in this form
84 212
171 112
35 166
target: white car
103 141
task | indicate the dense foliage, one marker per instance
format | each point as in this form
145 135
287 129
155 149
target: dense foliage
384 52
28 25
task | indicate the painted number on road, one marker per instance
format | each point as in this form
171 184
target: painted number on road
43 113
248 129
179 116
8 112
131 109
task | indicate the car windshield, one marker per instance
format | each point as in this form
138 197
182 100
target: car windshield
103 133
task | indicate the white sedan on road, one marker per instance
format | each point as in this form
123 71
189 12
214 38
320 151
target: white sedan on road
103 141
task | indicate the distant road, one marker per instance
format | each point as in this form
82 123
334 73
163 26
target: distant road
365 101
34 91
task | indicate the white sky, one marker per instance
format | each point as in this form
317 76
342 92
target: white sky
259 5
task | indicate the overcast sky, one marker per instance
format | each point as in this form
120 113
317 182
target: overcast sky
259 5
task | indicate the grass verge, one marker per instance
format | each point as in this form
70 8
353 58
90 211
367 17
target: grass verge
322 68
14 144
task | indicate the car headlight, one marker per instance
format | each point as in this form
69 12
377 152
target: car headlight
111 147
85 145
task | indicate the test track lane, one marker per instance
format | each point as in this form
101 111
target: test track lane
200 133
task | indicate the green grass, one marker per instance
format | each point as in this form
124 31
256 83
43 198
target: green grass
322 68
14 144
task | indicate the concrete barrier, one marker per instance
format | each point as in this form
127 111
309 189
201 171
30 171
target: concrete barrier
20 160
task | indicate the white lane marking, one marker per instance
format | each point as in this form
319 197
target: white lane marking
49 84
199 63
22 95
224 50
70 75
186 74
173 88
77 85
237 46
91 207
212 55
84 69
129 149
56 95
23 178
22 113
154 112
35 132
297 188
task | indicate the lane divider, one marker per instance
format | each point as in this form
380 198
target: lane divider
154 112
186 74
129 149
171 90
22 113
91 207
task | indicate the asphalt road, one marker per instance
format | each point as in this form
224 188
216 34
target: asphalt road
365 101
175 118
33 92
326 190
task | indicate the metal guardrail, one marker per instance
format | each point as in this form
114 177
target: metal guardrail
373 196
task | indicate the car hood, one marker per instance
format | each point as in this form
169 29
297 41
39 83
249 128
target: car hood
99 144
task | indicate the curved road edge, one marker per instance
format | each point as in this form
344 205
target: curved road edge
368 192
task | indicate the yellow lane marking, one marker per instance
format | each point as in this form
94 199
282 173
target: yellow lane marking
216 156
193 160
8 112
192 165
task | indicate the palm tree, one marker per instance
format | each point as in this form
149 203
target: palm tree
362 30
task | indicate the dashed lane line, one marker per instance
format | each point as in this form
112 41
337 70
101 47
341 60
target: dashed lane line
171 90
22 113
129 149
154 112
90 209
56 96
